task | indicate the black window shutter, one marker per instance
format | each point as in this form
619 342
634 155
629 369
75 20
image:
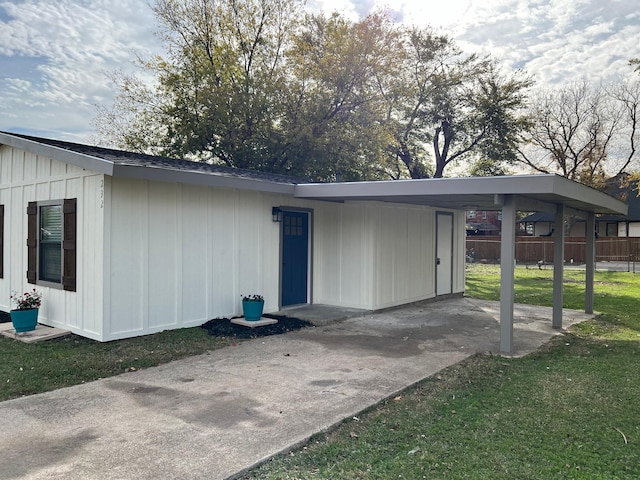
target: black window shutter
69 210
1 241
32 241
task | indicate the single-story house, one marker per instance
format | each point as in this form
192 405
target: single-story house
124 244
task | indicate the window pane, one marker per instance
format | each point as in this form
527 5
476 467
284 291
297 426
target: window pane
51 262
51 223
51 243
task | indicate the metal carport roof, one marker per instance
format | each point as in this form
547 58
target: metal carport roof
547 193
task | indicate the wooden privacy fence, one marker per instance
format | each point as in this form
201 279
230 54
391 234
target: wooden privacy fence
531 250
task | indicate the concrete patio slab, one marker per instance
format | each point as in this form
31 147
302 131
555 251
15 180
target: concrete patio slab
40 334
216 415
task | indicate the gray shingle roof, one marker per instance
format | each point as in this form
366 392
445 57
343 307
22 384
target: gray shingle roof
120 157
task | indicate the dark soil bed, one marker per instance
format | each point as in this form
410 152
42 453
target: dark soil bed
222 327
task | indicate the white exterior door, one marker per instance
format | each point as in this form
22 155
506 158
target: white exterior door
444 253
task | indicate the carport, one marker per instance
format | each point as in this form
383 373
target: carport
509 194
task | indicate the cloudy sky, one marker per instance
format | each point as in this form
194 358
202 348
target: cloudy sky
54 54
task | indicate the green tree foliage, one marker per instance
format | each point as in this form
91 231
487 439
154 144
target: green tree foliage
334 117
258 84
218 94
445 106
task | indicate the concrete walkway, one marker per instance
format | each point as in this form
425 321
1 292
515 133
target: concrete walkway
216 415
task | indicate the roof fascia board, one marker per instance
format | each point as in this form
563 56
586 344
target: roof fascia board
519 185
599 200
81 160
200 178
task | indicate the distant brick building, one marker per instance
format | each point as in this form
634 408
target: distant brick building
484 222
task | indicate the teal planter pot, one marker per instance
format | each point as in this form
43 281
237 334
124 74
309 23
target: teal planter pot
24 320
252 310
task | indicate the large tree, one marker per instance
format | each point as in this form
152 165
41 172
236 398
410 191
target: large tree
444 106
218 92
253 84
333 119
582 132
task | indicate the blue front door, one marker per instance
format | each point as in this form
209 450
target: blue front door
295 257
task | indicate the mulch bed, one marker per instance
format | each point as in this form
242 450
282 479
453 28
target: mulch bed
222 327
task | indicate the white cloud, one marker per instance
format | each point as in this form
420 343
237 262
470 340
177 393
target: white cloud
69 46
54 53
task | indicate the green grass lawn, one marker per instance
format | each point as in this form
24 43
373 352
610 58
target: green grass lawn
26 369
571 410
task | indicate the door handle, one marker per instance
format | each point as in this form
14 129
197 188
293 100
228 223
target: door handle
437 261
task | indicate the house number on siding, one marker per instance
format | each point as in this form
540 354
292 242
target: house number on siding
102 193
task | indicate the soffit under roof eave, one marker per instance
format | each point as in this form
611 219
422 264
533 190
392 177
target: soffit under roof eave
472 202
81 160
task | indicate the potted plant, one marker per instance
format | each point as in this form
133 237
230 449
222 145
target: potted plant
252 306
25 316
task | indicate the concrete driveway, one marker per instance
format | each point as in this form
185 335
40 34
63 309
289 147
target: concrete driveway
216 415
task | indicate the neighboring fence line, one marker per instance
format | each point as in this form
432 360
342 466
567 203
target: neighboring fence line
533 250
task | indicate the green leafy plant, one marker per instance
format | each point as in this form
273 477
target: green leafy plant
27 300
252 298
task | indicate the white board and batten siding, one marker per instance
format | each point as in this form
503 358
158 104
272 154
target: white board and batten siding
180 255
153 255
26 177
377 255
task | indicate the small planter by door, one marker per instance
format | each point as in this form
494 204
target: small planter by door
252 310
24 320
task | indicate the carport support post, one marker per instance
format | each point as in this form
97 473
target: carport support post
558 266
507 267
590 261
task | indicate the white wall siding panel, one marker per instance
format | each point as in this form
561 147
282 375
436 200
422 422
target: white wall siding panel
404 255
385 255
6 155
17 166
250 250
402 220
195 252
26 177
162 271
326 260
374 256
354 253
127 256
90 268
181 255
222 260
